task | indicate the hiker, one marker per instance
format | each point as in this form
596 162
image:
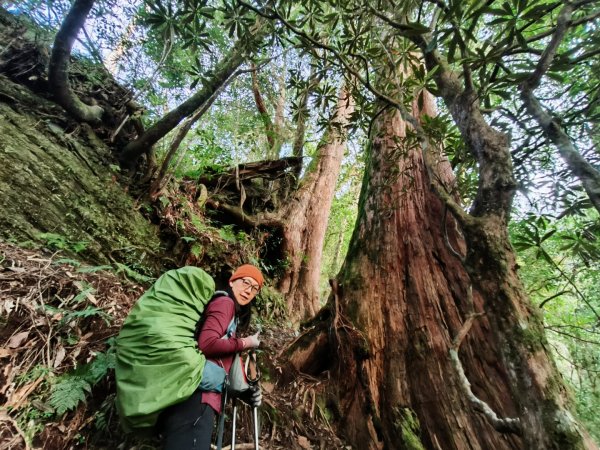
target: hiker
189 424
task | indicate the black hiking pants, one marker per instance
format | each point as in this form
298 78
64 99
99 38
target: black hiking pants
187 425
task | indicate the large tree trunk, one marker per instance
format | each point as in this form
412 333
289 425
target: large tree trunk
543 404
418 365
407 294
58 69
307 215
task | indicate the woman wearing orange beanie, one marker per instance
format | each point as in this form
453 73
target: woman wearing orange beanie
189 424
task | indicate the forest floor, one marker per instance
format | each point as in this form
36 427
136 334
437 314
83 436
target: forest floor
57 318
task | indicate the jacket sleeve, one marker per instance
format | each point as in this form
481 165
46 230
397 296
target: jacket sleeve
219 314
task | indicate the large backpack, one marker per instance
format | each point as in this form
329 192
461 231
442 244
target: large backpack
158 360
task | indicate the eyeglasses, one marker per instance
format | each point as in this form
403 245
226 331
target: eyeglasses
254 288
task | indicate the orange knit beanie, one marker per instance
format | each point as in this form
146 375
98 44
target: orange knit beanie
248 270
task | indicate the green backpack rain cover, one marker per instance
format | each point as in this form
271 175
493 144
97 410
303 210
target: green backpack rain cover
158 360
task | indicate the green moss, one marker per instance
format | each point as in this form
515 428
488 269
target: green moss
562 427
323 410
406 425
531 334
59 183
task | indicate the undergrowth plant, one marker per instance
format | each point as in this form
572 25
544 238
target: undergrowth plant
72 388
60 242
270 305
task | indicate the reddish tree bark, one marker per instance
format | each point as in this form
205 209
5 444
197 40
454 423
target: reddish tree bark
302 216
408 295
306 216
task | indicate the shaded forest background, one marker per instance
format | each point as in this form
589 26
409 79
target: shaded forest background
216 134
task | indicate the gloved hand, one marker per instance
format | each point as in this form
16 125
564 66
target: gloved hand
252 396
251 341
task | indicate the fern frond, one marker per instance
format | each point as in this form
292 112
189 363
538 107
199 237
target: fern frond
85 290
134 275
83 313
67 393
99 367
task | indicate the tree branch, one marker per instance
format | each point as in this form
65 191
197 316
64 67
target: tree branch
58 69
460 257
181 133
506 425
262 219
262 109
552 297
517 48
222 74
578 165
572 336
562 24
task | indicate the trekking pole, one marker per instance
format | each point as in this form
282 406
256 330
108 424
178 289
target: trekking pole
253 376
234 402
255 416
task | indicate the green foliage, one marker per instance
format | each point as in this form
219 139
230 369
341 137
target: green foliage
72 262
229 234
559 266
270 306
104 414
59 242
75 307
67 393
86 290
196 250
69 315
341 223
34 373
133 274
71 389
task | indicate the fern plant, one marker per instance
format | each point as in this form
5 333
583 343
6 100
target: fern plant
70 315
83 313
68 392
133 274
72 388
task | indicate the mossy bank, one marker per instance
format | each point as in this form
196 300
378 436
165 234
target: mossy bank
57 186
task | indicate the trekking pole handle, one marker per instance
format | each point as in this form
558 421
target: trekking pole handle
252 370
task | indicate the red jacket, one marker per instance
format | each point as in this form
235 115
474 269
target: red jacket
218 315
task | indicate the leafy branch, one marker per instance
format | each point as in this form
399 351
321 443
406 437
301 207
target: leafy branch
580 167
